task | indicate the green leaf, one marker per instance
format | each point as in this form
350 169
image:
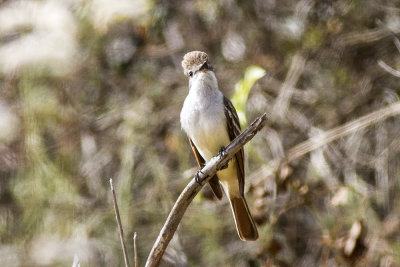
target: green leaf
242 91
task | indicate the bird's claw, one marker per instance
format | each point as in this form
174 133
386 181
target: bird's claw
197 177
221 153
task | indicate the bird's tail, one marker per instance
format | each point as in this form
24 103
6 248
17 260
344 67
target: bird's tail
245 226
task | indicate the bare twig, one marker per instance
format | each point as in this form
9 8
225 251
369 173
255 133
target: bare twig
389 69
121 231
348 128
135 250
395 39
282 103
397 43
368 36
191 190
307 96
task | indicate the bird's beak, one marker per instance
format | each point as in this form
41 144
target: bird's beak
205 67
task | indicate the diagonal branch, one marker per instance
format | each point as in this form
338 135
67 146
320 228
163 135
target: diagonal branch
322 139
191 190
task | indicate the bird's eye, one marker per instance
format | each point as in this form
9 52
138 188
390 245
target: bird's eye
191 73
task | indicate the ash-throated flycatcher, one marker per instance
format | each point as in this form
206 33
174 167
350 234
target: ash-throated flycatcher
211 123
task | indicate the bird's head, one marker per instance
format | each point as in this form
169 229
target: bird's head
195 63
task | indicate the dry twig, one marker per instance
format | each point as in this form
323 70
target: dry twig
191 190
121 231
389 69
306 96
282 103
135 250
340 131
368 36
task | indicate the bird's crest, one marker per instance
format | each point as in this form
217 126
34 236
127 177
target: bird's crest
192 59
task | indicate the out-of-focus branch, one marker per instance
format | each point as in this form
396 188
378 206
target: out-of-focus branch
135 250
307 96
389 69
121 230
397 43
191 190
281 105
369 36
340 131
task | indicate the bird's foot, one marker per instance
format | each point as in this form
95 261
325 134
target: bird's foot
221 151
197 177
220 154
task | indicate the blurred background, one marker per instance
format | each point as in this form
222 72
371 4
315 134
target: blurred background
93 89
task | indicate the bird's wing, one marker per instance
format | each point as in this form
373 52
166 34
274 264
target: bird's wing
213 182
233 127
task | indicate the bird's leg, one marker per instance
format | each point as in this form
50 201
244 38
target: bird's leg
197 177
221 153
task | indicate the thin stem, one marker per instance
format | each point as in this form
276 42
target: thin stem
135 250
121 231
324 138
389 69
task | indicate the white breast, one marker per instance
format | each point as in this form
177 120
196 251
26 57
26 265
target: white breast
203 118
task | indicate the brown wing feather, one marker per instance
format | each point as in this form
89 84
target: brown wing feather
232 121
213 182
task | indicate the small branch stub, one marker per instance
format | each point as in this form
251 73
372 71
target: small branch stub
121 230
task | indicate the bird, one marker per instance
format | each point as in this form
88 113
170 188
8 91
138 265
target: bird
211 122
